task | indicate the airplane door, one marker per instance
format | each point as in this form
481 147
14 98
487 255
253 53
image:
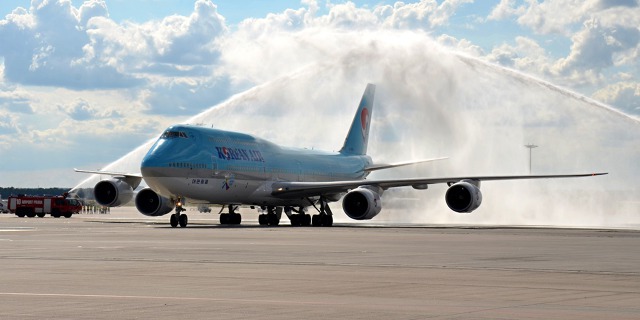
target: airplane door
214 166
190 175
218 166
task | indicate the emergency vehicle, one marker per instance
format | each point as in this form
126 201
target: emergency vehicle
56 206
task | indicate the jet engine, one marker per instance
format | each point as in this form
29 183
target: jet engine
149 203
464 196
113 192
362 204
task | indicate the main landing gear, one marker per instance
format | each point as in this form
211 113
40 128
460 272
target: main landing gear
325 216
232 217
179 218
299 218
271 218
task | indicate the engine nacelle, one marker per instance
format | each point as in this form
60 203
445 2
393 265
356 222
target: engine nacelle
362 204
149 203
113 192
464 196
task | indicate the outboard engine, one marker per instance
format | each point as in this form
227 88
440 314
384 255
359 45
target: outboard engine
362 203
113 192
464 196
149 203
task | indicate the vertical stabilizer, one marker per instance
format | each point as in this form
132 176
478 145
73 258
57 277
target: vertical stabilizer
358 136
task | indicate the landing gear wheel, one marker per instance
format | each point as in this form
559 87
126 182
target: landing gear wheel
273 220
174 220
295 220
230 218
328 221
322 220
325 216
272 217
182 220
300 219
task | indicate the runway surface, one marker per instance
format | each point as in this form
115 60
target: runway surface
125 266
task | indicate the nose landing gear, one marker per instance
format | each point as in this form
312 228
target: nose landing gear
179 218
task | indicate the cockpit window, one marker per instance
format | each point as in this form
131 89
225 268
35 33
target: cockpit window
174 134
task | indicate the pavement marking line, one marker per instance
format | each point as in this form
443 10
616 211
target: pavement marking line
71 295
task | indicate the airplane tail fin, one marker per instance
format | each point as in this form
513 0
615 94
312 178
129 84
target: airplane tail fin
358 136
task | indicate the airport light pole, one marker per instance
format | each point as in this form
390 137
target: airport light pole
530 147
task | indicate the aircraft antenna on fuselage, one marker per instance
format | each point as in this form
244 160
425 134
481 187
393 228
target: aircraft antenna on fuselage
358 136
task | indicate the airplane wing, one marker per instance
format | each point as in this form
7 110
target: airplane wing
110 173
375 167
310 189
133 179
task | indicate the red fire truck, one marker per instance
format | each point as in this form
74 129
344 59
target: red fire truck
31 206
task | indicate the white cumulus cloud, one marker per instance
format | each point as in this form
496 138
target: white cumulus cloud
624 95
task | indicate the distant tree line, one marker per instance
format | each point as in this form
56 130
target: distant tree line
6 192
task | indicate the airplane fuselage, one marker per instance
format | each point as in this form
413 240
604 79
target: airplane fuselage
214 166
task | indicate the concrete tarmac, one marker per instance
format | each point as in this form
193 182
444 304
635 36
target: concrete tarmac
126 266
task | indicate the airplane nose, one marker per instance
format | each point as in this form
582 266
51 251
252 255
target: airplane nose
154 157
147 161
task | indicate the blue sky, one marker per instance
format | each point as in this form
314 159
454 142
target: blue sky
84 82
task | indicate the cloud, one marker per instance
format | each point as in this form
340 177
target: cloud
40 46
604 34
55 44
623 95
505 9
176 41
606 4
82 110
462 45
185 96
14 99
8 124
551 16
595 46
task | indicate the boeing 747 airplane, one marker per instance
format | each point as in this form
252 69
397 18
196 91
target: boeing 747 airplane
198 165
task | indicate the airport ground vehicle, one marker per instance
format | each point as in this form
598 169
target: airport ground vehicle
4 207
31 206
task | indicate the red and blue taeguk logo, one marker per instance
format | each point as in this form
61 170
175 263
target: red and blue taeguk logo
364 121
